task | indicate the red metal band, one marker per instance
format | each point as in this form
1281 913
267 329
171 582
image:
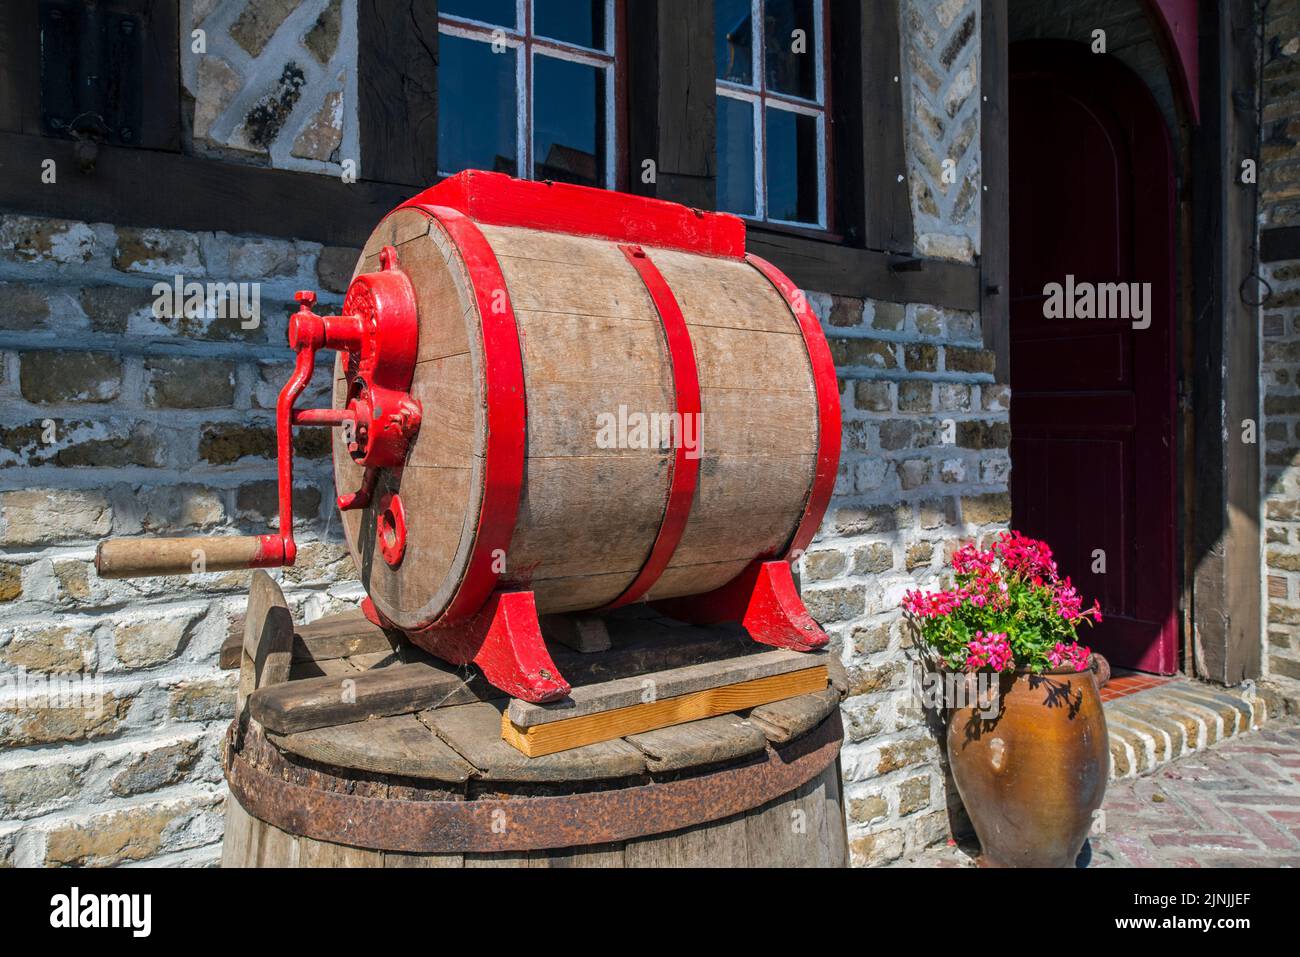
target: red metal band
828 406
501 200
685 470
506 411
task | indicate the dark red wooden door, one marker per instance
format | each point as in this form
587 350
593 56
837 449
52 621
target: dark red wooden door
1092 408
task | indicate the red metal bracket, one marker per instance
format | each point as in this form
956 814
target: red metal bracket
504 639
763 599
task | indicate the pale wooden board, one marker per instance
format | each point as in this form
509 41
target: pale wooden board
473 730
668 683
563 735
400 745
783 721
724 738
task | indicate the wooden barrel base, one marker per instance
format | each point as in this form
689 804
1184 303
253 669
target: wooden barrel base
779 808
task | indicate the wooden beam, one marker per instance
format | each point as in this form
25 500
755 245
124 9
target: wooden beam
871 182
20 93
671 100
995 197
634 719
397 91
139 187
1225 536
846 271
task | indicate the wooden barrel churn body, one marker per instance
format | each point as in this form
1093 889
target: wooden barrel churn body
531 340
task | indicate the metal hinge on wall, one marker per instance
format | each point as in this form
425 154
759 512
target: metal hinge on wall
92 74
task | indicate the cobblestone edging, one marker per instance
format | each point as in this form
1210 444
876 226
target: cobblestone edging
1149 729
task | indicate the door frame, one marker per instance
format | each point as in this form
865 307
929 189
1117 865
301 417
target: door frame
1221 589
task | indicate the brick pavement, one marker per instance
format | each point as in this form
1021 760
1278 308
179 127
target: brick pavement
1234 805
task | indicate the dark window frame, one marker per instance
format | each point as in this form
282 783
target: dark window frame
822 107
612 59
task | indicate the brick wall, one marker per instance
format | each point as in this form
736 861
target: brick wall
1279 186
114 421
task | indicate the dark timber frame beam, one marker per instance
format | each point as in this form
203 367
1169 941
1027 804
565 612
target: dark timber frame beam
1226 536
995 210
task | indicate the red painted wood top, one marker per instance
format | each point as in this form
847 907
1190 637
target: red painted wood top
500 200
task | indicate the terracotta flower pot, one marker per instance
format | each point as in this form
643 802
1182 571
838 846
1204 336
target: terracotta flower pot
1032 769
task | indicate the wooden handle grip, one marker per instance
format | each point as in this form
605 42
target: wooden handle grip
144 557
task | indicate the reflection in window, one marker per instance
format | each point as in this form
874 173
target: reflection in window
771 83
527 88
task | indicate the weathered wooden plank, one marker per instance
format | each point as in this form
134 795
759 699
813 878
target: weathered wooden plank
400 745
397 88
783 721
603 726
582 633
394 859
671 683
790 831
724 738
398 689
474 731
338 636
267 641
715 844
334 667
324 854
671 101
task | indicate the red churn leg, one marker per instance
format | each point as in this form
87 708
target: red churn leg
763 599
505 640
776 614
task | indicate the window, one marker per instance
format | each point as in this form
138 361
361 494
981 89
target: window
771 109
526 87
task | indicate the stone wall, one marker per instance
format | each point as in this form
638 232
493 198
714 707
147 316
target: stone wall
115 420
272 82
925 465
1279 190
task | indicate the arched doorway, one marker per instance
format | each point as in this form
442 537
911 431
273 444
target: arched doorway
1093 445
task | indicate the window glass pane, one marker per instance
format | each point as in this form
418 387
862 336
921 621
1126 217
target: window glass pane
573 21
791 147
476 115
568 121
501 13
789 49
736 156
733 43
